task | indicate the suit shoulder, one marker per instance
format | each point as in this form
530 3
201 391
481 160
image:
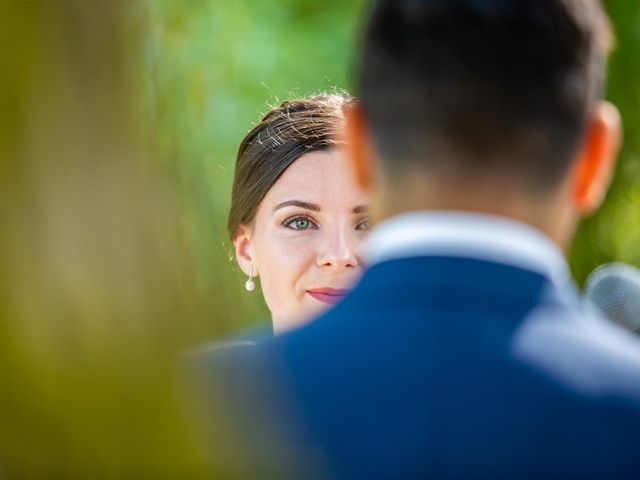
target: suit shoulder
582 349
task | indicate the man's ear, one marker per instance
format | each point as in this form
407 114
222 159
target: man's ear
242 245
597 158
359 147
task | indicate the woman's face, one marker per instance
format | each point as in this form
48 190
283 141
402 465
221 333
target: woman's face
306 238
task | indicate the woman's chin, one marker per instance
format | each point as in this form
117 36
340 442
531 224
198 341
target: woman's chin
312 309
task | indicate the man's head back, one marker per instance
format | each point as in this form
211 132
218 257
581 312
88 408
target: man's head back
464 90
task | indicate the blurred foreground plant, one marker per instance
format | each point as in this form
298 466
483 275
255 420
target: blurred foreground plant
95 293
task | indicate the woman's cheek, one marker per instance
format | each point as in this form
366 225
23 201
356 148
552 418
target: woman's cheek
294 248
280 260
303 256
283 261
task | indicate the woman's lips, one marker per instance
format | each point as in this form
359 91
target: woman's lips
328 295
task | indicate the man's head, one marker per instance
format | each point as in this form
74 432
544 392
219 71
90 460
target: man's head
498 100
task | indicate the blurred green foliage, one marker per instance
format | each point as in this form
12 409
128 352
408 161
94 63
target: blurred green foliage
95 296
614 232
118 128
214 68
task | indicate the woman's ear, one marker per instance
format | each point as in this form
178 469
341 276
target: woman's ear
359 148
597 158
244 253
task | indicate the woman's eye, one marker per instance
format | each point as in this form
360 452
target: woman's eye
363 225
299 223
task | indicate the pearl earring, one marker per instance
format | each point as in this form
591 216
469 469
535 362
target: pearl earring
249 285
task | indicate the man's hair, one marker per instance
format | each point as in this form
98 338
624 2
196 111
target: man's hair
481 86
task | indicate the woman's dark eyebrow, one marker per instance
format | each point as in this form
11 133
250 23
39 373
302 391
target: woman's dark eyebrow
361 209
298 203
313 207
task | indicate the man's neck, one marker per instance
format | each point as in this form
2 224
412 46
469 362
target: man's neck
545 211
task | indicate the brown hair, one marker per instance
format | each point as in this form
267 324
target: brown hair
284 134
477 86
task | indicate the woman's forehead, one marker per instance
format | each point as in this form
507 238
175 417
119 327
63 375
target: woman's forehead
323 178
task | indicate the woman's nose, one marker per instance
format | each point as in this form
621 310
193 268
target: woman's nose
339 252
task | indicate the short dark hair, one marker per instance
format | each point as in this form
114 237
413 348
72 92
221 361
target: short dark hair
483 85
284 134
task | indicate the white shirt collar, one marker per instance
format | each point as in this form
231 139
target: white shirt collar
468 235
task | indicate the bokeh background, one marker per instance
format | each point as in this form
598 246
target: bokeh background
119 122
215 66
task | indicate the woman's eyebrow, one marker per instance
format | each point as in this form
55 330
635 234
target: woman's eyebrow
298 203
361 209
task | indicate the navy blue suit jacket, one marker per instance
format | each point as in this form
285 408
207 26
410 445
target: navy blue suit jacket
437 367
